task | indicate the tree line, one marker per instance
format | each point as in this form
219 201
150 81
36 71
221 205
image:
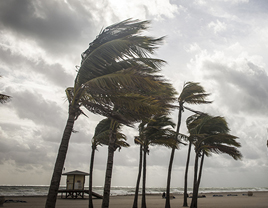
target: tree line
119 79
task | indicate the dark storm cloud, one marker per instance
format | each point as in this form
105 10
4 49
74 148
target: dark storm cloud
244 85
33 106
52 24
53 73
61 30
14 148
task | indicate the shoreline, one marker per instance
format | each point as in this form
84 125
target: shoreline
235 200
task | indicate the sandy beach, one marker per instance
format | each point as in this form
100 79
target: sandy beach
241 200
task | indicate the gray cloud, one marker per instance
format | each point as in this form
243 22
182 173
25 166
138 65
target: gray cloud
248 86
32 106
12 63
220 44
52 24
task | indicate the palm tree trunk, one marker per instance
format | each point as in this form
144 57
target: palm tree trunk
135 203
59 164
185 196
195 188
90 202
169 178
143 201
200 170
199 179
109 167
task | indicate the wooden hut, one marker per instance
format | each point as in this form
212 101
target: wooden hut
75 183
75 180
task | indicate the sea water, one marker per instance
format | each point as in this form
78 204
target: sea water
118 190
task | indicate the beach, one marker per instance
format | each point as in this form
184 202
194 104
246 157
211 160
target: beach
236 200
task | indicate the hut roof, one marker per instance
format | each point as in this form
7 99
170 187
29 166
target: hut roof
75 172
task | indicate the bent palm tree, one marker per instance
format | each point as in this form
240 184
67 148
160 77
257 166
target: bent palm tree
135 202
115 71
210 135
101 137
156 131
192 93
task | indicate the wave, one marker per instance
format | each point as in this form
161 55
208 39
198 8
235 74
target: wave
24 190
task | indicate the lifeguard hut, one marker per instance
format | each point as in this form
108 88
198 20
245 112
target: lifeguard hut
75 183
75 180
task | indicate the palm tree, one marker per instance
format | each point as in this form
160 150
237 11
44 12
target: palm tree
135 202
192 93
156 131
101 137
115 69
4 98
209 135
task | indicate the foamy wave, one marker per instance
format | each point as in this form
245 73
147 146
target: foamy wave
119 190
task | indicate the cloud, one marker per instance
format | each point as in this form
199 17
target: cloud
217 26
221 44
51 24
32 106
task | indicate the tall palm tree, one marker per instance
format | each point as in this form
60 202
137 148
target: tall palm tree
210 135
156 131
192 93
135 202
101 137
115 69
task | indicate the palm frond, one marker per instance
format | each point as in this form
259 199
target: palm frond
204 123
115 43
4 98
193 93
131 79
165 142
102 134
158 131
218 149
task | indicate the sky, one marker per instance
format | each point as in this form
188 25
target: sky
222 44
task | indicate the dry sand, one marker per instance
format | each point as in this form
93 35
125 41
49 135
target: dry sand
258 200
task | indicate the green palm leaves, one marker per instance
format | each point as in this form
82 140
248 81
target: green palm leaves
116 68
117 45
102 134
193 93
158 131
210 135
118 79
154 131
102 137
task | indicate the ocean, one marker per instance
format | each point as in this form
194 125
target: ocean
43 190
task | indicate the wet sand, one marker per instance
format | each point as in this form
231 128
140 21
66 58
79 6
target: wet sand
242 200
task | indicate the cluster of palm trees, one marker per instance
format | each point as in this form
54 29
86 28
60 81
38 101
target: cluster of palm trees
120 80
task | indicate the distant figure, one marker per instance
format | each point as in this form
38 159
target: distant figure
164 195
